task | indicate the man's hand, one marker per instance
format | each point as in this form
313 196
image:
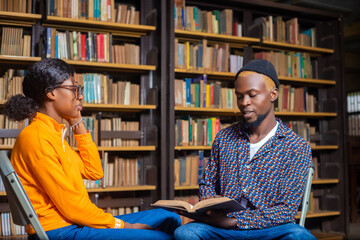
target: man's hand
137 226
215 218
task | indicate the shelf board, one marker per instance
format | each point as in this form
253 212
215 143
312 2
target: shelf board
324 147
183 148
215 111
295 47
117 107
307 80
18 59
187 187
320 214
327 236
223 75
6 147
129 30
231 76
216 37
127 149
122 189
112 66
325 181
19 19
115 189
232 112
306 114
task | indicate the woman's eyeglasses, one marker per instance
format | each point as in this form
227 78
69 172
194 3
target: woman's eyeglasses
77 89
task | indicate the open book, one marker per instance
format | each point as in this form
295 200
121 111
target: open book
220 204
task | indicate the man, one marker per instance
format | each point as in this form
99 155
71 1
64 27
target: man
259 162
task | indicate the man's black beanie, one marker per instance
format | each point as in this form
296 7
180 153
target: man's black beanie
261 66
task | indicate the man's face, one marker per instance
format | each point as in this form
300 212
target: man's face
253 98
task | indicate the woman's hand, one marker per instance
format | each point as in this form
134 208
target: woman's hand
137 226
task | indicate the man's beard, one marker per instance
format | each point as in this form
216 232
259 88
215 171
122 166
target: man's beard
260 118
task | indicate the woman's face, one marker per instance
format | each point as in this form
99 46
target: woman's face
68 102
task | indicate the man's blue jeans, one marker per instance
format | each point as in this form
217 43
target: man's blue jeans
164 223
196 230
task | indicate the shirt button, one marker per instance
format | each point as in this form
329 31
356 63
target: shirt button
246 227
245 189
247 166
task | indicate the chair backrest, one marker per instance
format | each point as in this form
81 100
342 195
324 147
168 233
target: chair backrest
306 196
21 208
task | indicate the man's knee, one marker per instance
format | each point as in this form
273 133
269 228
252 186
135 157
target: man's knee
299 233
187 231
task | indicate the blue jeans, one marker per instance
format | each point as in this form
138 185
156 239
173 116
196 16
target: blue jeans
196 230
163 221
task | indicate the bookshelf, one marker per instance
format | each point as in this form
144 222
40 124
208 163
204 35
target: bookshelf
326 84
143 74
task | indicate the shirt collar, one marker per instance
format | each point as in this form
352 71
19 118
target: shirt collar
281 131
49 122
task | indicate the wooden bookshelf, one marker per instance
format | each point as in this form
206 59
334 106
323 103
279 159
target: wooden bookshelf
19 19
216 37
5 147
127 149
233 112
18 59
325 147
320 213
187 187
295 47
128 30
325 181
315 182
231 76
115 189
112 66
307 80
117 107
123 189
327 236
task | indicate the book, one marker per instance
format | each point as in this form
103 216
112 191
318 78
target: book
224 204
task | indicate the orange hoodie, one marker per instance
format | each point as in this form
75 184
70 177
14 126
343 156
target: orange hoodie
52 175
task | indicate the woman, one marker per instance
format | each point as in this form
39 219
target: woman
52 173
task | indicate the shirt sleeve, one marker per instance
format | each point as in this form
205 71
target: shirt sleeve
91 165
290 194
209 185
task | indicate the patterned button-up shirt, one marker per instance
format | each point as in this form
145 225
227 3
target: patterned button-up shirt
272 182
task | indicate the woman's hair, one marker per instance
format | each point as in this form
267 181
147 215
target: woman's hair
39 79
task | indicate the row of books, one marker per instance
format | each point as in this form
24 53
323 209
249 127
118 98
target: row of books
289 64
116 124
11 83
303 129
122 210
89 46
196 92
200 56
102 10
22 6
188 170
354 124
8 227
197 132
276 29
295 100
118 172
5 123
100 88
14 42
353 102
192 18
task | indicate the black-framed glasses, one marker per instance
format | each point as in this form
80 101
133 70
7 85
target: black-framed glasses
78 90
